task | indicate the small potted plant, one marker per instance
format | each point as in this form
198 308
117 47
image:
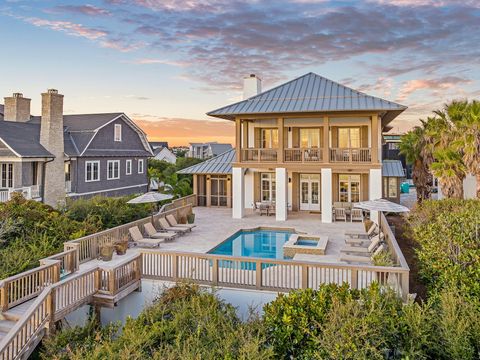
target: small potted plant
106 252
121 247
191 218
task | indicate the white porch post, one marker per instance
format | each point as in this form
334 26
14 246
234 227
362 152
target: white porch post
281 183
238 198
375 190
326 195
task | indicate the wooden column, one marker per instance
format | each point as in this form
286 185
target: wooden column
195 187
375 137
245 135
238 138
208 189
281 147
229 192
326 139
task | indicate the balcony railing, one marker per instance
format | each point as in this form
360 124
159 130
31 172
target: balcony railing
350 155
28 192
259 155
304 155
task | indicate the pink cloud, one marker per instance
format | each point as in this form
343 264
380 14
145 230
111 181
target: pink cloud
69 28
435 85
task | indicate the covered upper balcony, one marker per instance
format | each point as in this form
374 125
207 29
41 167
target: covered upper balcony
309 140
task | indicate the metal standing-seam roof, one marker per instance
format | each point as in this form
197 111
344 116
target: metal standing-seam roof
309 93
392 168
221 164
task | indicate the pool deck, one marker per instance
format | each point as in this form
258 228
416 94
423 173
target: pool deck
214 225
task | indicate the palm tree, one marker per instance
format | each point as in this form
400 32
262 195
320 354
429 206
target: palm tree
450 170
469 140
176 186
413 146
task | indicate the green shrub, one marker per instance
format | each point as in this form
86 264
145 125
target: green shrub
448 237
383 258
183 323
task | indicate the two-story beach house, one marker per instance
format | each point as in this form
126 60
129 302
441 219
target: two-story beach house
301 146
52 156
206 150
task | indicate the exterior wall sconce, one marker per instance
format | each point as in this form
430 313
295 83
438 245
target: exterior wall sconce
289 180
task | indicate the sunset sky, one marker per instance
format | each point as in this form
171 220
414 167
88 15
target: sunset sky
166 63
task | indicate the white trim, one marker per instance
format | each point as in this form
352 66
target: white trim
128 161
119 127
92 162
113 169
9 147
106 190
141 161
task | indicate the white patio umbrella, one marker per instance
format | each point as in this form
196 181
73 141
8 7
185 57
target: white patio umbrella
150 197
381 205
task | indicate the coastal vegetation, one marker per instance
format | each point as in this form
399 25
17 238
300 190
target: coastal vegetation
447 146
30 230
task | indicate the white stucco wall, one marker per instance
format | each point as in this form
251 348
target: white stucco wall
249 187
238 197
326 195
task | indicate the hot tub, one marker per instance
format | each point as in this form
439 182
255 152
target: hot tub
305 244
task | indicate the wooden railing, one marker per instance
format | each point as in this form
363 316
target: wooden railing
28 192
113 281
304 155
68 261
89 246
392 244
266 274
259 155
350 155
25 286
28 331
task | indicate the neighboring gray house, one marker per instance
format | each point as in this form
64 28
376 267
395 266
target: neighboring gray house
207 150
52 156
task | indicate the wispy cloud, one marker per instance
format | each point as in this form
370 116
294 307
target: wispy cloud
433 85
68 27
89 10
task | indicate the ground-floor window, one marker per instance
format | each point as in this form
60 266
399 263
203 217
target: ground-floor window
390 187
218 190
6 175
349 188
268 188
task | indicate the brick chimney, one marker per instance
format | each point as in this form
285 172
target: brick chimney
17 108
252 85
51 137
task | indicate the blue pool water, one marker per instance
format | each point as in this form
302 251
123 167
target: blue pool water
266 244
306 242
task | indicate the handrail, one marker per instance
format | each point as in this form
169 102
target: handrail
392 242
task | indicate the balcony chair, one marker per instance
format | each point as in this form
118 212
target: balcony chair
362 235
154 234
356 215
361 250
141 241
164 225
363 259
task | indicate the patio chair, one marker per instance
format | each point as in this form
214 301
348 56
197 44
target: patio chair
363 235
138 238
154 234
263 207
173 222
360 250
356 215
164 225
362 259
340 214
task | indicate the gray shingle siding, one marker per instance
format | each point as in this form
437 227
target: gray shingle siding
104 185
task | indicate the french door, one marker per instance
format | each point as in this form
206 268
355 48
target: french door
349 188
218 195
310 192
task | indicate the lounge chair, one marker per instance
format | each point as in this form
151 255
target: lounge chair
356 215
164 225
154 234
376 240
173 222
138 238
340 214
362 235
362 259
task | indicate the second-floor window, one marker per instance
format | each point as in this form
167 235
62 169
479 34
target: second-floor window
309 137
92 171
349 137
118 132
269 138
128 167
140 166
6 175
113 169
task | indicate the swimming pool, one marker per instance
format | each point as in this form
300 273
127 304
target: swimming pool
259 243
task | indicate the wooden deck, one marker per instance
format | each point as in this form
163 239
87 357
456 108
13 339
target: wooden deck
32 302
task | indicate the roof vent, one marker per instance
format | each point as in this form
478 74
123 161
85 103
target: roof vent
17 95
52 91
